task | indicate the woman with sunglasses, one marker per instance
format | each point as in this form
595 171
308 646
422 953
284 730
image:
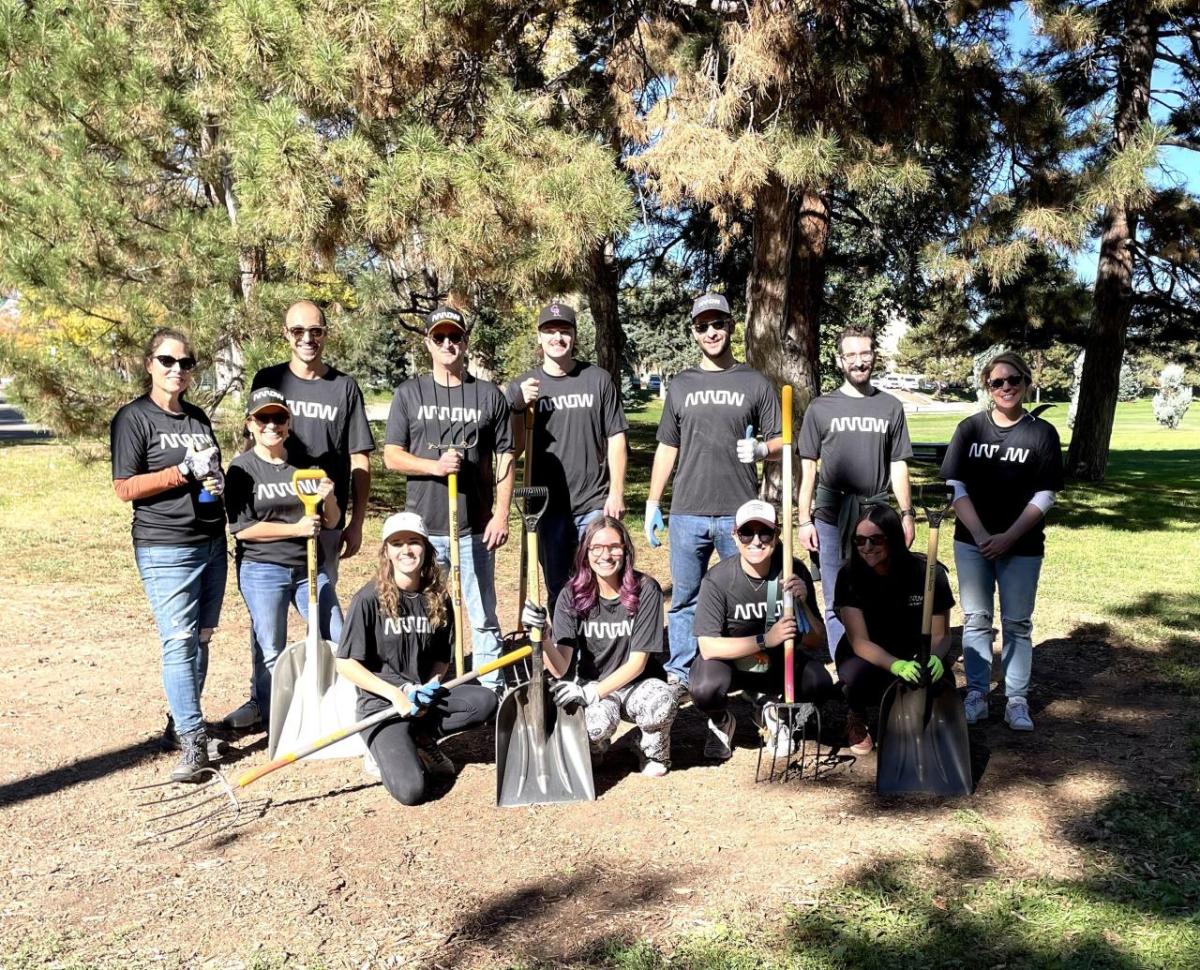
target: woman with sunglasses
1005 466
396 645
740 626
165 461
272 531
611 616
879 600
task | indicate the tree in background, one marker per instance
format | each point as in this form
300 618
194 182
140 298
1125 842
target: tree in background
1173 398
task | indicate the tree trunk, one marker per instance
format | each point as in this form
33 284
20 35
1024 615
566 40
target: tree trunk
1112 297
600 287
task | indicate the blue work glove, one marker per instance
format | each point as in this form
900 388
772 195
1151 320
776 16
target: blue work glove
654 524
426 695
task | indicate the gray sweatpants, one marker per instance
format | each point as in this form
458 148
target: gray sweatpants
650 704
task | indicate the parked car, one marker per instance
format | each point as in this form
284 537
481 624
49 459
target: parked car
888 382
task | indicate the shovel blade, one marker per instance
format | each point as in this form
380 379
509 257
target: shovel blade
923 744
546 766
309 701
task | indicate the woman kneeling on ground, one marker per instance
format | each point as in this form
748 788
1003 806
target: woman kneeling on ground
612 615
879 599
740 624
396 645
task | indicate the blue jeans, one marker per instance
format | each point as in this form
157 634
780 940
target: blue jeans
479 598
693 539
185 586
1017 579
558 540
830 546
269 590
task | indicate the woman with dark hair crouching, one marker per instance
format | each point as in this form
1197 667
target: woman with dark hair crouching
610 615
879 600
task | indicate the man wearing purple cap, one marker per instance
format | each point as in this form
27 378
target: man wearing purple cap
578 441
718 419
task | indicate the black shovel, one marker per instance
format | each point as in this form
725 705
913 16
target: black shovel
923 743
542 752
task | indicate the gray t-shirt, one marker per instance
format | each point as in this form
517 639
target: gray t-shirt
425 414
856 440
603 639
328 425
705 414
576 415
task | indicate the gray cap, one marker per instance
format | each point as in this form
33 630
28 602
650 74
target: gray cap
710 301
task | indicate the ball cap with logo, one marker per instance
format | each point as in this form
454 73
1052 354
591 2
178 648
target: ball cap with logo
756 510
266 397
710 303
444 316
404 522
556 313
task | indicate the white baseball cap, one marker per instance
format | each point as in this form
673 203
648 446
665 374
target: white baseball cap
404 522
756 510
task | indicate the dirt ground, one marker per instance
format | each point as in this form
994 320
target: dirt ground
327 867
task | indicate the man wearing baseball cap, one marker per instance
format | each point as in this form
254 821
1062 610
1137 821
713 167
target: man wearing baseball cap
741 628
449 421
718 419
578 448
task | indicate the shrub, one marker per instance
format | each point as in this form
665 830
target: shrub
1173 397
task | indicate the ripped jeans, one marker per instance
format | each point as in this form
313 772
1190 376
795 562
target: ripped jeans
650 704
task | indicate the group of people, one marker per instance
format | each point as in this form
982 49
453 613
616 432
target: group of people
603 621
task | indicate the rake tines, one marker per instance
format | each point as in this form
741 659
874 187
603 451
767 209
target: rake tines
788 751
189 813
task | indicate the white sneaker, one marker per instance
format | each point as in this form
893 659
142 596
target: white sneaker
370 767
719 744
1016 714
243 718
777 736
976 706
435 761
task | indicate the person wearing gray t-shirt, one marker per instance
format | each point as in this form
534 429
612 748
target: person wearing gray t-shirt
860 437
718 419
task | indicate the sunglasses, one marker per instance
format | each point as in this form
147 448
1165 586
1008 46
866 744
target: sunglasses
277 418
455 337
718 324
167 361
614 550
298 333
764 534
869 542
1014 380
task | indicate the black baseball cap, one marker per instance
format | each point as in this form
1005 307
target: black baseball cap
556 313
710 301
445 314
266 397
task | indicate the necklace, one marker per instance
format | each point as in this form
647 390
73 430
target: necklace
753 585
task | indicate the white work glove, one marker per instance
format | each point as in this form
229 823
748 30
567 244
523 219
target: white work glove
215 482
567 693
200 464
751 450
533 617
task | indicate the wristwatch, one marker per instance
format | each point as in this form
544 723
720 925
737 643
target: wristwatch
909 512
760 640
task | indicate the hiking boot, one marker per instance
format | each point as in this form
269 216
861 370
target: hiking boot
858 738
371 766
243 718
777 736
1016 714
170 741
719 744
976 706
434 758
193 758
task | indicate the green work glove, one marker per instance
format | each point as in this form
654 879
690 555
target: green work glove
908 670
936 669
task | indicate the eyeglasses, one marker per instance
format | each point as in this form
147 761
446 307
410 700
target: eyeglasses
870 542
453 337
764 534
276 418
167 361
599 549
299 333
864 355
1013 380
719 324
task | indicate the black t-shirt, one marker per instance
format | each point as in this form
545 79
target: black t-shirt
257 490
329 422
423 414
856 439
398 649
891 605
576 415
1002 468
145 438
605 637
704 415
731 604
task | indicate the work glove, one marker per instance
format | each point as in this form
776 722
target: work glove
654 524
749 450
426 695
533 617
936 668
214 484
908 670
199 464
567 693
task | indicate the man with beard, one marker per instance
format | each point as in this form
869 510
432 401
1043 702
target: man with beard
709 422
860 437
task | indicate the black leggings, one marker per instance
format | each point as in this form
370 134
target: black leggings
864 684
711 681
393 744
